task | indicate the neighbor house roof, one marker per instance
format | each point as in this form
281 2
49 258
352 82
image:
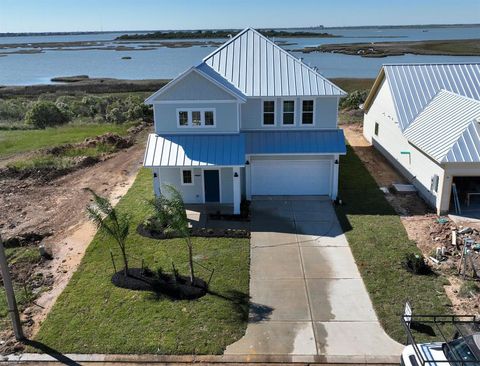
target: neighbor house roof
448 129
258 67
200 150
414 85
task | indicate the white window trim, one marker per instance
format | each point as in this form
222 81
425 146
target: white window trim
274 112
181 177
202 117
313 113
295 102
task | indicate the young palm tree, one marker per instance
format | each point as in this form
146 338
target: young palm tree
111 222
177 222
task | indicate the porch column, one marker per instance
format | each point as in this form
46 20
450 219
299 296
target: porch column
236 191
156 181
336 165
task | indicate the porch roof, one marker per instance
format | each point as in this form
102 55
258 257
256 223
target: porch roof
190 150
195 150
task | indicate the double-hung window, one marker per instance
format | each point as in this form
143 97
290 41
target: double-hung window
269 113
288 112
307 112
196 117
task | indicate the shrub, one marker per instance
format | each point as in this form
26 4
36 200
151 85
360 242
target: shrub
354 99
469 289
115 115
416 264
44 114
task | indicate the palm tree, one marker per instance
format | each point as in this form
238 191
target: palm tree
172 208
111 222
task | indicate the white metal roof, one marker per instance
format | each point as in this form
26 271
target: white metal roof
258 67
208 73
448 129
414 85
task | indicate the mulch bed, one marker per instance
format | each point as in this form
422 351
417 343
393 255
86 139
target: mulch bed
196 232
174 287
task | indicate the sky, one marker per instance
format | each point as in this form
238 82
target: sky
111 15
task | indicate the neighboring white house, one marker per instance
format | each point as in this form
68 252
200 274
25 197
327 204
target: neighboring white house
251 119
425 119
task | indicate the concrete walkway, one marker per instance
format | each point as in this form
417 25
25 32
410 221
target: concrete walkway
308 298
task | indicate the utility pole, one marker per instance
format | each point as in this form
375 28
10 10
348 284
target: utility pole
12 303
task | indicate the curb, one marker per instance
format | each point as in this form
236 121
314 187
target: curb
75 359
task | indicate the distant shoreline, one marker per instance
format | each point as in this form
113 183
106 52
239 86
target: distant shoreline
34 34
461 47
82 83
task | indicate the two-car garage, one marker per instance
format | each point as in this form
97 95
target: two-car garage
293 175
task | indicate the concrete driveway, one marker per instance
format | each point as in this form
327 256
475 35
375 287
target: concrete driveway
308 299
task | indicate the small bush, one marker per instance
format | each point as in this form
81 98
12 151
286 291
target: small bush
44 114
469 289
115 115
354 99
416 264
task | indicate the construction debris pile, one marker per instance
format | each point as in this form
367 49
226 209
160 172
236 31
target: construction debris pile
456 247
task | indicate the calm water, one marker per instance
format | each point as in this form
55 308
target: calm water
39 68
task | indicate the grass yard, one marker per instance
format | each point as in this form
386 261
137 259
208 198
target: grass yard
17 141
93 316
379 244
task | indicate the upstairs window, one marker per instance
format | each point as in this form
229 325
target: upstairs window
307 112
183 118
288 112
269 112
196 117
209 118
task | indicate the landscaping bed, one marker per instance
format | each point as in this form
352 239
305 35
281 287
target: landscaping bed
380 245
94 316
149 230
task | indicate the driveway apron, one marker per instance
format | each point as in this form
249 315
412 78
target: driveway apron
307 295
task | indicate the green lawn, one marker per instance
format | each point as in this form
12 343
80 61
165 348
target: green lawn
93 316
379 243
28 140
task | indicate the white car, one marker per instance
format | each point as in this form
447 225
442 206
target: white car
458 352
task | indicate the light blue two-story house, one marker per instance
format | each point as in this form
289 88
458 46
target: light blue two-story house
250 119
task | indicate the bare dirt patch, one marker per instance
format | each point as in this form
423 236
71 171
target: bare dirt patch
57 207
419 220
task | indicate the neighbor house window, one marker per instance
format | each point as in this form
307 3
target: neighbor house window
183 118
376 129
307 112
434 183
196 117
288 112
269 112
187 177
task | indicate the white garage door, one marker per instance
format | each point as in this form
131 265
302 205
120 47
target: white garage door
291 177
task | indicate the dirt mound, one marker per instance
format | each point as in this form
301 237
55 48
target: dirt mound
109 138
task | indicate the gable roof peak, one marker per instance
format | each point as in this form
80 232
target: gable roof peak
257 66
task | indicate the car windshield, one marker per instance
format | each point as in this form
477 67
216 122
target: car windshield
459 350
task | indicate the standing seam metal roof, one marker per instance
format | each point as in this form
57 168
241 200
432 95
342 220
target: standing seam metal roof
198 150
414 85
448 129
258 67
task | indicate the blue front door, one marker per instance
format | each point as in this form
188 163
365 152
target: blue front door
212 186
